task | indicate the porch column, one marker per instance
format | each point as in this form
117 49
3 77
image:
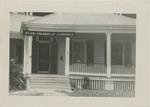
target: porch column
67 50
25 55
109 84
108 41
27 58
29 55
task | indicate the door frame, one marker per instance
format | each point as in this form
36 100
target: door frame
45 42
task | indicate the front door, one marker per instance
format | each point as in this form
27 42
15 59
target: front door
44 57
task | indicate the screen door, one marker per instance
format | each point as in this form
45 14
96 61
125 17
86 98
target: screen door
44 58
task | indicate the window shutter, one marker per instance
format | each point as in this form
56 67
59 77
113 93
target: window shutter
105 53
54 54
19 52
128 52
34 55
70 51
90 52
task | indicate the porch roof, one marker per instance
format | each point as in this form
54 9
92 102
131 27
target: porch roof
85 19
72 22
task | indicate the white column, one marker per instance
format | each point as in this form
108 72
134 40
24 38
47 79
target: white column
29 54
25 55
109 85
108 41
67 55
27 58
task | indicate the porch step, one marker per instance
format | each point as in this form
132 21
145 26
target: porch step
52 79
46 82
48 75
49 86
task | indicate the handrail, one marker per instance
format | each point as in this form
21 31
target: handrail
95 68
101 68
86 63
99 63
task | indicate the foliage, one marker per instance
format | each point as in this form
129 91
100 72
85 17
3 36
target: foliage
85 84
16 78
73 85
101 93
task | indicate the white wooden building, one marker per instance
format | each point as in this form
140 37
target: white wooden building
74 45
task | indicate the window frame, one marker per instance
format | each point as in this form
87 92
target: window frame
15 43
123 54
85 50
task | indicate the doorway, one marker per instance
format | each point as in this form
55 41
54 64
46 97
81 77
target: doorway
44 57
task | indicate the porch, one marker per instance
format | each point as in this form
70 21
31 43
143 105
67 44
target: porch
107 60
100 54
90 54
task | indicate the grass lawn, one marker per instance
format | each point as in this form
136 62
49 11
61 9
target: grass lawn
101 93
25 93
50 92
76 93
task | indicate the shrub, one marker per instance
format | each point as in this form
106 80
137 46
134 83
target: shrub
85 84
16 78
73 85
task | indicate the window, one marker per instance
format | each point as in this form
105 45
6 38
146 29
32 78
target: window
121 52
16 50
81 51
12 50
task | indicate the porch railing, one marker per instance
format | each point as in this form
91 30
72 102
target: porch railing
120 84
123 69
124 85
100 69
91 69
93 84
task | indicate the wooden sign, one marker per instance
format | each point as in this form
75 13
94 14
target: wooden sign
52 34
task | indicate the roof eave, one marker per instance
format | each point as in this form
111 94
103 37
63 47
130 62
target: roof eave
74 27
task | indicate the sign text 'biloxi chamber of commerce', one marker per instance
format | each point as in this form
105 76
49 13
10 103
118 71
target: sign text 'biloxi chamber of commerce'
52 34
